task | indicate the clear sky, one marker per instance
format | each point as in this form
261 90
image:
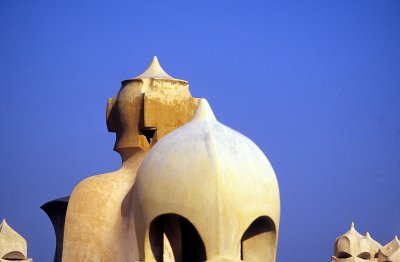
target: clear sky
316 84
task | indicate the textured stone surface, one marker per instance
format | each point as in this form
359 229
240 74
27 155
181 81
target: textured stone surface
203 192
390 252
352 246
99 224
12 245
212 191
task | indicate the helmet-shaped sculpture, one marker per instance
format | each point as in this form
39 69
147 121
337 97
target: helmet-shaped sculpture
211 191
354 247
148 107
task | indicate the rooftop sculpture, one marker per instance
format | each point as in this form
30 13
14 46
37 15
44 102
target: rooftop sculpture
352 246
56 210
187 190
12 245
211 191
99 224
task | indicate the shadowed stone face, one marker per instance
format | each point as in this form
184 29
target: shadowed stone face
124 116
148 108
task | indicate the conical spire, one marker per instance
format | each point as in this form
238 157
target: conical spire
4 227
203 111
375 245
3 222
154 70
353 231
395 242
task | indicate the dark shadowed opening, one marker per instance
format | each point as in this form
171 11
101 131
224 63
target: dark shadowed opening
148 133
343 255
185 241
364 255
14 256
258 241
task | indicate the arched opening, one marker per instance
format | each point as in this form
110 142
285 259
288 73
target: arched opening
343 247
14 256
259 241
364 255
343 254
183 238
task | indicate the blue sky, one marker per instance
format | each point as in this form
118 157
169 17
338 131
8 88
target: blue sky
316 84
